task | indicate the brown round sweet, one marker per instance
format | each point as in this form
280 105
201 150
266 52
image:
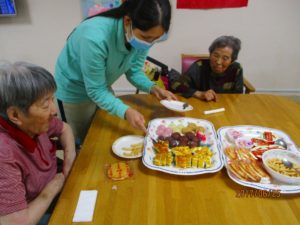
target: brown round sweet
183 142
195 139
184 139
161 138
173 143
190 135
176 135
192 144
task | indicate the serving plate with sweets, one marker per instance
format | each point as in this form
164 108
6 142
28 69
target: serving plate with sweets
243 147
182 146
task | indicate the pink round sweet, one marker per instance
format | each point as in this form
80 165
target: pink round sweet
233 134
244 142
163 131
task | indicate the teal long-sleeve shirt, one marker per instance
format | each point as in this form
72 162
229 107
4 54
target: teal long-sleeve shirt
94 57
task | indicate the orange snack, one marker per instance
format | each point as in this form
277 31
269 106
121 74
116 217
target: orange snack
119 171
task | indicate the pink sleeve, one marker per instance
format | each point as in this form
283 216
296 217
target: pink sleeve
12 189
55 127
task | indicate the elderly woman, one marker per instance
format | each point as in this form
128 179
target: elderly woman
220 74
28 167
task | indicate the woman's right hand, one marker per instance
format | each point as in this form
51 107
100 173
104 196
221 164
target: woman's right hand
38 206
209 95
135 119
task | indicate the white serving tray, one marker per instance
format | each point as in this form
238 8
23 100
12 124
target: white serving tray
149 154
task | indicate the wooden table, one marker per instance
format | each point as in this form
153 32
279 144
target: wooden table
156 198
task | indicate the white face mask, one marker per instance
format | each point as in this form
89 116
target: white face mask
140 44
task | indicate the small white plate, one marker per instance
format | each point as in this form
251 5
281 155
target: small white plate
176 105
126 142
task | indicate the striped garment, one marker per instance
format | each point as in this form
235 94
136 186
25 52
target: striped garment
26 165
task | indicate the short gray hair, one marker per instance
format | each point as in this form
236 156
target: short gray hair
227 41
21 84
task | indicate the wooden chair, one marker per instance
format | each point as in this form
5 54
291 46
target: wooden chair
188 59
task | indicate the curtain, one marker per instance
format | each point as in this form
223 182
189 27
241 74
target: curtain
208 4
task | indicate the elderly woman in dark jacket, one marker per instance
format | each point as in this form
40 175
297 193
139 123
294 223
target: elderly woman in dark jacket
219 74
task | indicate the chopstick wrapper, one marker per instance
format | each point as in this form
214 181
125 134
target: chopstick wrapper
85 206
214 111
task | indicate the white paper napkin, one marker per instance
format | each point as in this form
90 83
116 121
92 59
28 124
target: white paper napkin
85 206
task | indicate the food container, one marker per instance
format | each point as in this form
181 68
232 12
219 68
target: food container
120 170
272 161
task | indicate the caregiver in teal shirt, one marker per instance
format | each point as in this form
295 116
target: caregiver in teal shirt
99 51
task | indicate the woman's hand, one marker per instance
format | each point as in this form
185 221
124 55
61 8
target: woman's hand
160 93
55 185
37 207
68 143
135 119
209 95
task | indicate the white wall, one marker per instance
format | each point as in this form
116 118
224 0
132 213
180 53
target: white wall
38 33
269 30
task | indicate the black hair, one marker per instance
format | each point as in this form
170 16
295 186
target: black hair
227 41
145 14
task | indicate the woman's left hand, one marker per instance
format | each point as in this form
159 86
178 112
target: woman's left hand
160 93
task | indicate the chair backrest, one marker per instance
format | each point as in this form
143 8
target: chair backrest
188 59
156 71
